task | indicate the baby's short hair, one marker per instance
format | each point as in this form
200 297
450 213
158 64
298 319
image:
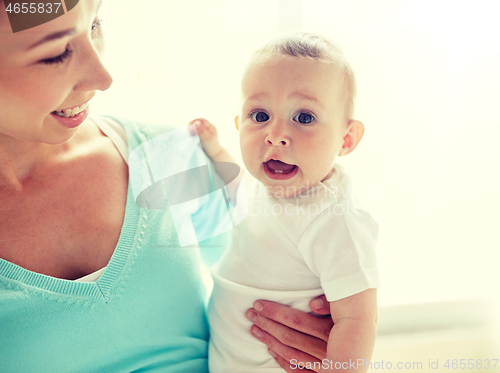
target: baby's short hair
303 44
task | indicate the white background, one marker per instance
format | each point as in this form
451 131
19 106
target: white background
428 93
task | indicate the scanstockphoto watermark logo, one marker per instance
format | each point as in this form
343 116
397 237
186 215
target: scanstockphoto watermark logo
356 364
336 189
336 199
26 15
294 207
448 364
171 171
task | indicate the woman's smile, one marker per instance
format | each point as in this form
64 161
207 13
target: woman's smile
73 117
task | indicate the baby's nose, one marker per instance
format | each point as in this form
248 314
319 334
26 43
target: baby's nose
276 141
277 136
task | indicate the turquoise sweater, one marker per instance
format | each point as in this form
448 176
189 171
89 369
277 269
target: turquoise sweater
146 312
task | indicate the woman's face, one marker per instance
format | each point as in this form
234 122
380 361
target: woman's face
47 69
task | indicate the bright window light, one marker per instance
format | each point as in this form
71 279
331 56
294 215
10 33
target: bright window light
428 95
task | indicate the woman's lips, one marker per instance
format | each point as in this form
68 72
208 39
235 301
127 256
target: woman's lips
73 121
71 112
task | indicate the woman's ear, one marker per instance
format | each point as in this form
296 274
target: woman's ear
237 122
354 132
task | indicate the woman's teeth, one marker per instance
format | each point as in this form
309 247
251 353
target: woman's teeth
71 112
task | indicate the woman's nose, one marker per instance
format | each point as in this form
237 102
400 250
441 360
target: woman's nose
276 135
94 76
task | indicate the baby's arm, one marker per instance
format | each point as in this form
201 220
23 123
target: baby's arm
209 139
352 337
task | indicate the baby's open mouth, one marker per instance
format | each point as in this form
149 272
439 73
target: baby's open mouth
279 167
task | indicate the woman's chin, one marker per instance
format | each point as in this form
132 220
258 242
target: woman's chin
52 134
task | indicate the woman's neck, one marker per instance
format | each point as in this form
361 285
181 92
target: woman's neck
20 160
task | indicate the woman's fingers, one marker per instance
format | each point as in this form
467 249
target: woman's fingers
286 365
291 357
316 326
320 305
286 341
298 339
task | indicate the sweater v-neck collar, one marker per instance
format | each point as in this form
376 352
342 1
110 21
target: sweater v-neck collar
101 289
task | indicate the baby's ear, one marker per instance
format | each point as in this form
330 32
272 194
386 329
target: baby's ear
354 132
237 122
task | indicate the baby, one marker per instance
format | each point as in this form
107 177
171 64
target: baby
303 235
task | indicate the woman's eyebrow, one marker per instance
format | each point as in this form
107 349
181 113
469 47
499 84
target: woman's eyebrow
53 36
58 34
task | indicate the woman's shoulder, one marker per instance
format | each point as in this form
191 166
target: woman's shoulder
141 130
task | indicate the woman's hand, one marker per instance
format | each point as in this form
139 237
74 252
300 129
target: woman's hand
291 334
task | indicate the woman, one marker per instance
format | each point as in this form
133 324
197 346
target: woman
67 211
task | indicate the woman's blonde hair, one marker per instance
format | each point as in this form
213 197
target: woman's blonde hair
303 44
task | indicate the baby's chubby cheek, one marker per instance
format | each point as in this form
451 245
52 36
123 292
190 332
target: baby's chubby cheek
249 152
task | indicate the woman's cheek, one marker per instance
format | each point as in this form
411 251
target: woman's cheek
52 93
99 45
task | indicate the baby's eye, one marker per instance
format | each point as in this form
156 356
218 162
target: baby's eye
303 118
260 116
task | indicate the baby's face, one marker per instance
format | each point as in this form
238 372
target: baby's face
292 122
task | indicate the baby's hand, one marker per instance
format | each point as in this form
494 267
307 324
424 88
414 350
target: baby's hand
208 136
